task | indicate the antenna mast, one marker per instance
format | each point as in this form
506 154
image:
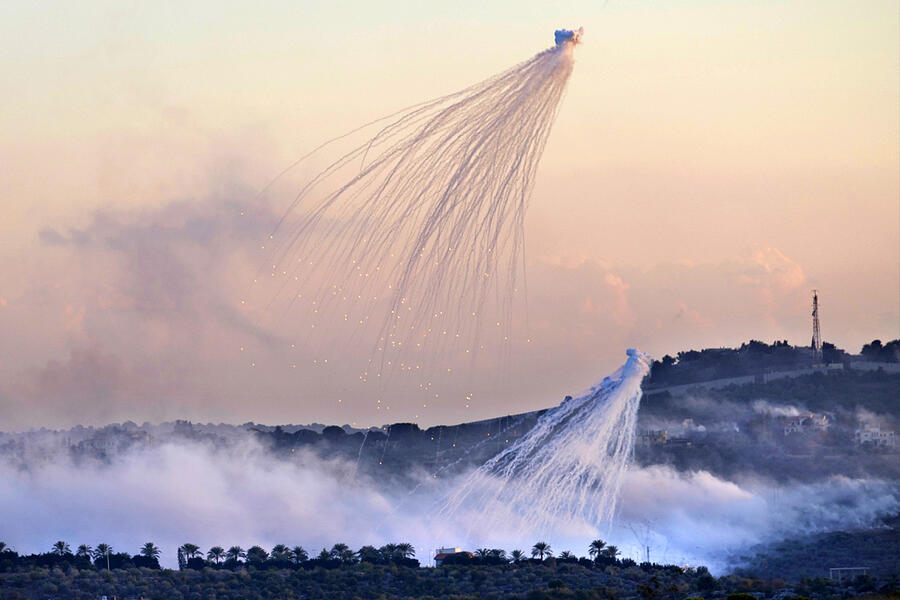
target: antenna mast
817 336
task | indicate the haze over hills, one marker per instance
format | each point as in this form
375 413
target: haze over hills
773 410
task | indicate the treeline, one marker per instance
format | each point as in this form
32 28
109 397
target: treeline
282 556
190 556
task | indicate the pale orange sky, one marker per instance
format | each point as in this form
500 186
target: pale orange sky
710 165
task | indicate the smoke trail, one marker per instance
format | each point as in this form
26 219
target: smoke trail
565 472
419 230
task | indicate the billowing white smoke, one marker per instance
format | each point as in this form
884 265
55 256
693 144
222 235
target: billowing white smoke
765 407
698 518
241 494
564 475
193 492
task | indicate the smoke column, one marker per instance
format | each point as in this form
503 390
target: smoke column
418 231
567 471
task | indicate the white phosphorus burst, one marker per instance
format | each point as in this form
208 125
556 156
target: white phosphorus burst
567 471
417 230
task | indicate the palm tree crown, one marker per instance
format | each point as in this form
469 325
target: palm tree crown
236 553
517 555
611 552
190 550
150 550
406 550
299 555
61 548
216 554
596 548
102 550
342 552
541 549
84 551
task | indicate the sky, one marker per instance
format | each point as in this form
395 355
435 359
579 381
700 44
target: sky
711 164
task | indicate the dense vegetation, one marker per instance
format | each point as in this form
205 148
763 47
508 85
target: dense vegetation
794 559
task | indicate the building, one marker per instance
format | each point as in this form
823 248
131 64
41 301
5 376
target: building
873 436
441 553
810 422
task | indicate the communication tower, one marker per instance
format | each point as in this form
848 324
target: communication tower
817 336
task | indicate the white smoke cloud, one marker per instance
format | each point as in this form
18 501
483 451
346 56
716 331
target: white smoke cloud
764 407
190 492
698 518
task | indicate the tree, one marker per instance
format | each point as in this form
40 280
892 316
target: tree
84 551
540 550
3 547
482 553
61 548
369 554
299 555
343 553
388 552
517 556
406 550
281 552
566 555
257 555
101 551
596 548
216 554
235 553
150 550
611 552
190 550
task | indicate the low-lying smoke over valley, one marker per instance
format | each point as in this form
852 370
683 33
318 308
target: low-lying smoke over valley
716 469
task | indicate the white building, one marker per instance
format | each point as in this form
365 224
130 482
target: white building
874 436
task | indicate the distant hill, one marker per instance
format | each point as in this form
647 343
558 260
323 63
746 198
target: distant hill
755 357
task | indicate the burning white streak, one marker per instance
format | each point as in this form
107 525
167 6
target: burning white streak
420 227
566 472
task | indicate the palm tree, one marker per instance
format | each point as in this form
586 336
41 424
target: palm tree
190 550
388 552
343 553
406 550
517 556
369 554
596 548
257 555
299 555
324 554
482 553
541 549
3 547
498 553
611 552
566 555
101 551
235 553
281 552
84 551
216 554
61 548
150 550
